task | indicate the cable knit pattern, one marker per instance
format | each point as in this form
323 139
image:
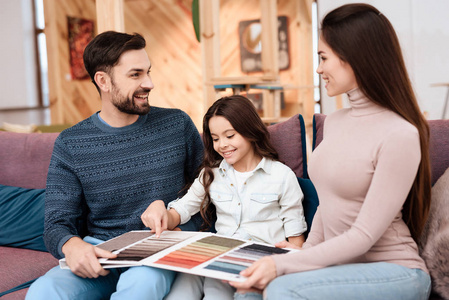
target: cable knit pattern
116 173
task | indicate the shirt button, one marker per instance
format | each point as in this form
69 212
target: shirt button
239 204
232 184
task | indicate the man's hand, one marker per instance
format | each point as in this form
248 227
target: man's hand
82 258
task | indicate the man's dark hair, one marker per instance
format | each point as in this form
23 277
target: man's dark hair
104 51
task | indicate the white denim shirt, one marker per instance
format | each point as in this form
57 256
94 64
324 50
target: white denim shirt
268 210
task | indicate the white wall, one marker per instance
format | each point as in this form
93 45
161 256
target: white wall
423 31
18 86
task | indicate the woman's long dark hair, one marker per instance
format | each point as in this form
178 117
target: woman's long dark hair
363 37
242 115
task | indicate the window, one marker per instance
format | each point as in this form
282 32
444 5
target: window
41 52
316 77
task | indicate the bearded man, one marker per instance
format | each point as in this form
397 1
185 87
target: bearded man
106 170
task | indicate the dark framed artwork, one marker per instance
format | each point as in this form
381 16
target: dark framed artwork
250 33
81 32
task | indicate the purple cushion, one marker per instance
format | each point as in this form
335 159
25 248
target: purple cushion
21 265
25 158
318 124
438 144
439 147
17 295
287 140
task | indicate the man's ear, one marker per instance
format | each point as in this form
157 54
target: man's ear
103 81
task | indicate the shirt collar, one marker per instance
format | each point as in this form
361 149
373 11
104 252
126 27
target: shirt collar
265 164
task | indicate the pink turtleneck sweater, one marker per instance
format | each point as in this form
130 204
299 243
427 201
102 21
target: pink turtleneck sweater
363 171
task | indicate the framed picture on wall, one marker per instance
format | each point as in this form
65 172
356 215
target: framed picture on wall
250 34
81 32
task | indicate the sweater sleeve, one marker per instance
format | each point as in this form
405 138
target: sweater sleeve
63 200
194 158
195 147
393 177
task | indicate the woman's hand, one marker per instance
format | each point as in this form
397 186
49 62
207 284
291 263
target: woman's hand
259 274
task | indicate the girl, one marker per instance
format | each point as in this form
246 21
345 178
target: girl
371 173
242 187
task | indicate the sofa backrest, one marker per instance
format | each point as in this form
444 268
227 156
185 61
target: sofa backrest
24 158
438 143
289 140
439 147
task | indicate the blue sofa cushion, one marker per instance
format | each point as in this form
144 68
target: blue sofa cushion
22 217
310 201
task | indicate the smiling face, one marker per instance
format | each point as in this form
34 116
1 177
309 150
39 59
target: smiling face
337 74
231 145
131 83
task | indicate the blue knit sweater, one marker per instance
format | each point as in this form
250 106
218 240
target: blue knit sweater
101 178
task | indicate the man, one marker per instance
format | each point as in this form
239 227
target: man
106 170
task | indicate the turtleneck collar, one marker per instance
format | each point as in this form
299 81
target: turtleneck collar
361 105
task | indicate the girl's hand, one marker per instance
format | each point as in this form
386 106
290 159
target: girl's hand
285 244
259 274
294 242
155 217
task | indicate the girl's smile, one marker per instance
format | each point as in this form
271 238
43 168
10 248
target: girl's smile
232 146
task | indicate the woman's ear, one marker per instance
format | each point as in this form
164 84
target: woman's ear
103 81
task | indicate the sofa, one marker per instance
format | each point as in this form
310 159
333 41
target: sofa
24 161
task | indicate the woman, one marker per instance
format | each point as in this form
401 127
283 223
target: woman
371 172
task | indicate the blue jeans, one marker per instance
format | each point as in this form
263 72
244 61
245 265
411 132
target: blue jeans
121 283
352 281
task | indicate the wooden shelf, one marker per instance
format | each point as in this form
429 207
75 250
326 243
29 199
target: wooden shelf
269 121
244 80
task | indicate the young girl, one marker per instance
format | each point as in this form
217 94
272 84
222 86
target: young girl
242 187
371 173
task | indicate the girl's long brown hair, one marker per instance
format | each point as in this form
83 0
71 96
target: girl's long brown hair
242 115
363 37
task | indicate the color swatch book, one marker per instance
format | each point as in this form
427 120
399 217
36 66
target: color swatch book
200 253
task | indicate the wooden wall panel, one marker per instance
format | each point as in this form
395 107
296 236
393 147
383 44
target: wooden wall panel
174 52
70 100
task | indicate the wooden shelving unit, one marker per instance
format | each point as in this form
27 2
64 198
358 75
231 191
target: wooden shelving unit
269 82
210 42
71 100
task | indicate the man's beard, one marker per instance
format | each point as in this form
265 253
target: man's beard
128 105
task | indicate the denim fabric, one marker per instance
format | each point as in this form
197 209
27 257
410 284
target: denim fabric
247 296
122 283
353 281
268 209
